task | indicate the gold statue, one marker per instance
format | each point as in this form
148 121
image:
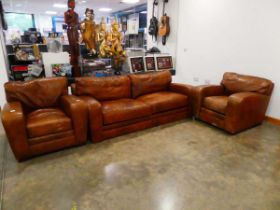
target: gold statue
116 39
102 38
88 31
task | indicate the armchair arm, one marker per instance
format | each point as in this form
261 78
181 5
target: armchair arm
76 109
200 92
14 123
181 88
95 117
244 110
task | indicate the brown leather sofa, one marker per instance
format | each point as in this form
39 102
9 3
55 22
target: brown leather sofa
124 104
238 103
41 117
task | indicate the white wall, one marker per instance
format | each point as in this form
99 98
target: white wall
171 8
229 35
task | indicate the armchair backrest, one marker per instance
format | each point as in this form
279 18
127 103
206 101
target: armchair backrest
234 83
149 83
39 93
103 88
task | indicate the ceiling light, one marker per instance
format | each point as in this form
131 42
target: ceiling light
60 5
82 2
51 12
129 1
143 12
104 9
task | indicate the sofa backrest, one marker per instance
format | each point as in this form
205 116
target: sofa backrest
234 83
39 93
103 88
149 83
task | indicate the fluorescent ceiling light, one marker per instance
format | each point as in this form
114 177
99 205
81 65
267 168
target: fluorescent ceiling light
60 5
82 2
130 1
51 12
143 12
104 9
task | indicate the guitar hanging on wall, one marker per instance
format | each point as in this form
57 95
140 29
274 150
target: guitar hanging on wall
153 28
164 28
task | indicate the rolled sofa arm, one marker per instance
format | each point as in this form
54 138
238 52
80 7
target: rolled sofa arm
181 88
14 123
95 118
76 109
244 110
202 91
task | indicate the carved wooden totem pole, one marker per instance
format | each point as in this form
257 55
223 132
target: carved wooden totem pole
71 18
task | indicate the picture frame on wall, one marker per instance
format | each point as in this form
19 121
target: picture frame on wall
150 63
164 62
136 64
61 70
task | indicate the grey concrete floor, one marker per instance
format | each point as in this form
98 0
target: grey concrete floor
186 165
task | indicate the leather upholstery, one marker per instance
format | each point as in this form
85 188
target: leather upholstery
39 117
164 101
107 88
240 102
149 83
235 83
124 109
216 103
200 92
47 121
41 93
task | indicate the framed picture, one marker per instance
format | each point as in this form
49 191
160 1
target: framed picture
164 62
150 63
61 70
136 64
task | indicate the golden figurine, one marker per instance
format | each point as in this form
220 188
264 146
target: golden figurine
116 38
88 31
102 38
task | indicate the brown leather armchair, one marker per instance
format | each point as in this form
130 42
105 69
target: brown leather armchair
41 117
238 103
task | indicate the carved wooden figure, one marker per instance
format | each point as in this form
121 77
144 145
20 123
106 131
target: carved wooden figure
88 30
71 18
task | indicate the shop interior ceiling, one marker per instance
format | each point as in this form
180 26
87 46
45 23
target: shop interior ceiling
40 7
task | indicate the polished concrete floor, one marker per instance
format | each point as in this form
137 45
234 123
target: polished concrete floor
186 165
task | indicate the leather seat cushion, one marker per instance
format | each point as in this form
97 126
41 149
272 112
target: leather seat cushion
216 103
124 109
164 101
47 121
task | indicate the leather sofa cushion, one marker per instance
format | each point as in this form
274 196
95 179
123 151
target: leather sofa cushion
149 83
39 93
103 88
164 101
216 103
234 83
124 109
47 121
